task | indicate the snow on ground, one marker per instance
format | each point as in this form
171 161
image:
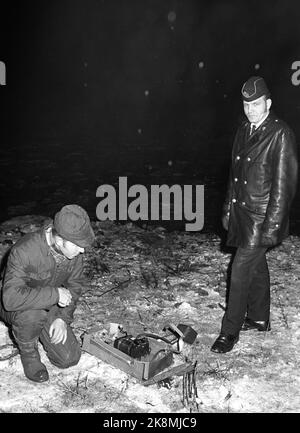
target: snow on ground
145 278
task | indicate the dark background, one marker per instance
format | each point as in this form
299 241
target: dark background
148 89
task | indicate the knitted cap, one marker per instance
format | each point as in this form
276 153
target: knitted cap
73 224
254 88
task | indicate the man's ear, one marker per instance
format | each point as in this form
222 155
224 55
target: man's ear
269 103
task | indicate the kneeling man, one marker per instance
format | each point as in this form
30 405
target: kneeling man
42 282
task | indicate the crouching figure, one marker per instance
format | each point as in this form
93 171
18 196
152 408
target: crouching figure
42 282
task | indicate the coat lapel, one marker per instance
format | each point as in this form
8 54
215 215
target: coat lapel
250 141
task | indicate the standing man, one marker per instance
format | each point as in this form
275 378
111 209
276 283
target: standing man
261 188
42 283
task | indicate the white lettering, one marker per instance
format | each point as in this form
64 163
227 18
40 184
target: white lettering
296 75
106 209
160 198
188 207
2 74
138 208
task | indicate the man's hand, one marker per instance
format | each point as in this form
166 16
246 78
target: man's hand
58 331
65 296
225 221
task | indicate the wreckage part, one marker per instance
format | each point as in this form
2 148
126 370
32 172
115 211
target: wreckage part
178 370
189 387
195 384
184 389
158 364
142 370
186 332
158 354
169 342
157 337
134 347
96 348
176 330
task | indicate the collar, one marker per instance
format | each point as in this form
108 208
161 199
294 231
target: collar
58 257
257 125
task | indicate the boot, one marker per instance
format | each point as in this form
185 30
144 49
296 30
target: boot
34 369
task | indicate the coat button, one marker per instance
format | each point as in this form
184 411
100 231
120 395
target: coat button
248 159
245 182
277 225
235 179
233 200
238 157
243 203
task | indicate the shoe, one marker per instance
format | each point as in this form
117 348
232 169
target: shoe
263 325
34 369
224 343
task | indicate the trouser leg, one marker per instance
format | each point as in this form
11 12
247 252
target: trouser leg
243 274
26 327
31 325
61 355
258 307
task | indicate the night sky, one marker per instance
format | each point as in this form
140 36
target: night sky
131 87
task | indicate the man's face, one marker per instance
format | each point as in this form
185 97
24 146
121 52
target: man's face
258 109
69 249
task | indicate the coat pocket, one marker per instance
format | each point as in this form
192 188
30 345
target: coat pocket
258 178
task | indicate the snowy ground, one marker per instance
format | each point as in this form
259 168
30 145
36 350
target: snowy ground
144 279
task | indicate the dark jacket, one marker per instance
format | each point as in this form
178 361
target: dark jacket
262 184
32 277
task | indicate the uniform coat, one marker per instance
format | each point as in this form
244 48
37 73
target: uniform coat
32 277
262 184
